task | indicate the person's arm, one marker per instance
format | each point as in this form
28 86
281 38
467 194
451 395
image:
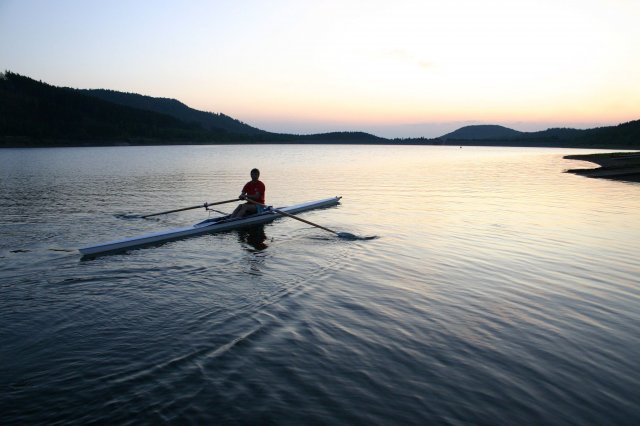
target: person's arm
243 193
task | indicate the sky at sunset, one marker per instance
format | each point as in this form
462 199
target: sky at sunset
393 68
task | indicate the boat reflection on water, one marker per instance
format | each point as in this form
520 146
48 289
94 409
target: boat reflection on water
254 236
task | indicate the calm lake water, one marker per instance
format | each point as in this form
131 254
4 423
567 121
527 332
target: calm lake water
500 290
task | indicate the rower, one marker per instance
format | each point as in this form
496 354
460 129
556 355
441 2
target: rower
252 190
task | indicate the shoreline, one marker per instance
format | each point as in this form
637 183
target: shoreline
20 142
617 165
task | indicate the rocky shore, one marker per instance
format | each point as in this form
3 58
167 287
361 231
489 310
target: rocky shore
619 165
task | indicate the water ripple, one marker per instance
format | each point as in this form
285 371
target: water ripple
500 291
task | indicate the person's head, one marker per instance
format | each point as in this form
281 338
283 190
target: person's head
255 174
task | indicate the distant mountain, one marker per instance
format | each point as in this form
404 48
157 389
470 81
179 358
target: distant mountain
34 113
623 135
495 133
175 108
554 134
343 137
482 132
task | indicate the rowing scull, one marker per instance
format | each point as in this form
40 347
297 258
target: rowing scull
206 226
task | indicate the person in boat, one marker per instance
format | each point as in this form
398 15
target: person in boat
252 190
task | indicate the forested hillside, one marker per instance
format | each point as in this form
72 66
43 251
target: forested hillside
175 108
34 113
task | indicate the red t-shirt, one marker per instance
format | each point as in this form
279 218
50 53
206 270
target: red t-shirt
252 187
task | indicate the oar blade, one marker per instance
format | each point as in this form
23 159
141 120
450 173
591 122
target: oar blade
350 236
127 216
343 235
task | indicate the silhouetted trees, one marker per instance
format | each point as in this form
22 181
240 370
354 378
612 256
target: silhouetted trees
34 113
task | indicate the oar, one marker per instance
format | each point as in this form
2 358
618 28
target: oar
339 234
205 205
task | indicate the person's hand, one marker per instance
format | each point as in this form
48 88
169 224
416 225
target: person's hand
242 197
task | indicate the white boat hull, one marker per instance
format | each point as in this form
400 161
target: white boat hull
207 226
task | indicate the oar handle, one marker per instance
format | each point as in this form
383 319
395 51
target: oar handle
292 216
221 202
205 205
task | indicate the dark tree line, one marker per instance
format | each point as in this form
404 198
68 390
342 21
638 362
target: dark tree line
34 113
40 113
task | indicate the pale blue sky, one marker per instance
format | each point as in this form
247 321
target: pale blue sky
393 68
